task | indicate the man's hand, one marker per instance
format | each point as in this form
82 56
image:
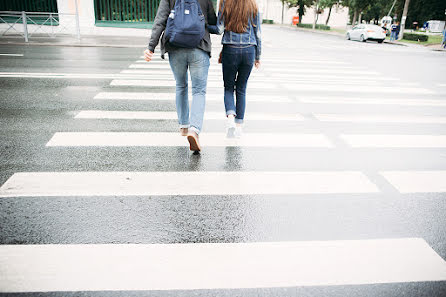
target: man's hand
257 64
148 55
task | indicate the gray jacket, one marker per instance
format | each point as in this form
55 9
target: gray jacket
160 22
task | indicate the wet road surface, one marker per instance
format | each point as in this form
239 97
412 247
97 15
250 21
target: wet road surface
337 187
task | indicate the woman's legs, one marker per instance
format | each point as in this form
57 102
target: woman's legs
244 71
230 66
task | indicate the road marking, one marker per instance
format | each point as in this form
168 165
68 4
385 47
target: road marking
373 101
165 139
256 84
133 267
143 83
81 75
269 62
269 76
184 183
395 141
287 71
171 97
367 118
157 67
160 115
417 181
325 76
12 55
171 83
356 89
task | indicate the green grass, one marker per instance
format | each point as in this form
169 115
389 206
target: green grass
433 39
339 30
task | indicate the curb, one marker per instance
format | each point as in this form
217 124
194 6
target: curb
71 44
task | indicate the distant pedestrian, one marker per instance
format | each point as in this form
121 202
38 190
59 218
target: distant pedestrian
394 30
187 50
443 43
240 22
398 28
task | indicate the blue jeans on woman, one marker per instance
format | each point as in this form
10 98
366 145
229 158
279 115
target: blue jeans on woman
197 61
237 63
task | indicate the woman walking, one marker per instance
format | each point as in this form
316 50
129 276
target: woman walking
185 15
240 23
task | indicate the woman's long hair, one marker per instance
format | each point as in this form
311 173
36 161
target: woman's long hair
236 14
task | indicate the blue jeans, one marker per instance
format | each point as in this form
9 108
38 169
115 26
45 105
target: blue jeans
237 61
392 35
197 61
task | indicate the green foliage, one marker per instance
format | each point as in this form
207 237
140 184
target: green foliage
301 5
419 10
310 26
415 37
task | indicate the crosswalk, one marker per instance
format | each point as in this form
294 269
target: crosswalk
276 93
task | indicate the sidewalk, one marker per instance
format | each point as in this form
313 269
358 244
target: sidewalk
85 41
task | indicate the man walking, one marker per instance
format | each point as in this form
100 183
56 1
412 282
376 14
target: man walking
182 58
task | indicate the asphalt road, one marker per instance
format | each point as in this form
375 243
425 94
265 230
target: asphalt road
361 125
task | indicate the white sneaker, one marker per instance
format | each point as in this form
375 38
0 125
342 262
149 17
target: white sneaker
230 127
238 132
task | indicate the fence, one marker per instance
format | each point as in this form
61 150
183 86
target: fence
29 5
28 24
133 13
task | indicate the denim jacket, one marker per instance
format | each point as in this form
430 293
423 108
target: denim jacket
252 35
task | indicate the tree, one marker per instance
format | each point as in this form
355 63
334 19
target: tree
301 6
328 4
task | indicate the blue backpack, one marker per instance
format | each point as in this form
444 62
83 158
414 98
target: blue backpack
186 24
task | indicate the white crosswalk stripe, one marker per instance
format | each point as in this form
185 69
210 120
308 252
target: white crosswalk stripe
396 141
44 268
171 97
417 181
166 139
377 118
31 184
171 83
372 101
359 89
159 115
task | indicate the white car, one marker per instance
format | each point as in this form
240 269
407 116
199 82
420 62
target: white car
364 32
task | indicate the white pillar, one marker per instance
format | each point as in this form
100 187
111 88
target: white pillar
86 15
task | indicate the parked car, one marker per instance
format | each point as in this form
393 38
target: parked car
364 32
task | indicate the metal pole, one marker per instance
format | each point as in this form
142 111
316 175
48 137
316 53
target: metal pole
51 21
78 31
403 20
25 26
391 8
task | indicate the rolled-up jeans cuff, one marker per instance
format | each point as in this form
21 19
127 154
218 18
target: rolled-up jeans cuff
229 112
238 121
192 128
184 126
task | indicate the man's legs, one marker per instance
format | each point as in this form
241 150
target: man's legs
178 64
198 61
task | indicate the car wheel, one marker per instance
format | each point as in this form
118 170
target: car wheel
381 41
362 39
348 36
